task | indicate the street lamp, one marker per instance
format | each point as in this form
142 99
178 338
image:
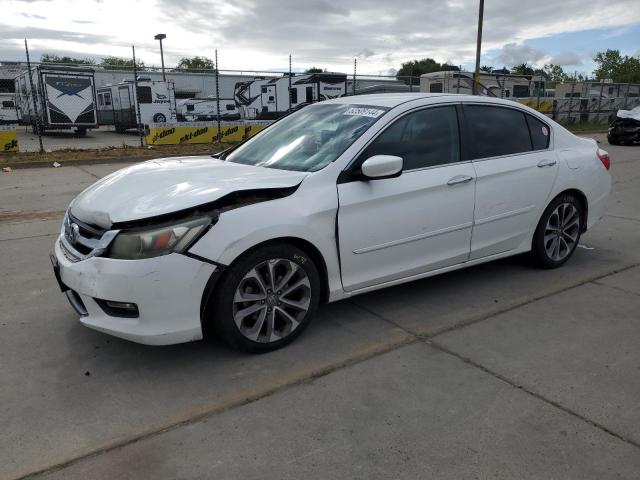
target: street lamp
161 36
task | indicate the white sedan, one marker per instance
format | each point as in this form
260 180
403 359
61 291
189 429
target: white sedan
342 197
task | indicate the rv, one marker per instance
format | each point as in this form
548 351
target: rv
203 109
8 109
604 89
64 98
117 103
269 98
490 84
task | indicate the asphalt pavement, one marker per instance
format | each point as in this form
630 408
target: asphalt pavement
497 371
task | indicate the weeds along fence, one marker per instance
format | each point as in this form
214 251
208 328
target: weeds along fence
58 106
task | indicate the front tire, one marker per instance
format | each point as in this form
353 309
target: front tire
558 232
265 299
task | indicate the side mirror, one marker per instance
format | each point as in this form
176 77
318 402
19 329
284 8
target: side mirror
382 166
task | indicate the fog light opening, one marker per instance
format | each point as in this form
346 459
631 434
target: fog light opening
118 309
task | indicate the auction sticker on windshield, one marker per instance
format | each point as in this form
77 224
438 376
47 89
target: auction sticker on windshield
364 112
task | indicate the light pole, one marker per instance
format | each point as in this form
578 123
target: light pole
476 73
161 36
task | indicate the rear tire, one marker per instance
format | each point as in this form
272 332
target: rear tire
265 299
558 232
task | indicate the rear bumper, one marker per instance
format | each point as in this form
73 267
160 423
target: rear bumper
167 290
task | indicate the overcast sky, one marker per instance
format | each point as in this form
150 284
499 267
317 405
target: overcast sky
260 34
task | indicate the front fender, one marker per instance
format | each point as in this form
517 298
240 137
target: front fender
307 214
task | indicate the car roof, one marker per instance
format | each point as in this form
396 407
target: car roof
385 99
392 100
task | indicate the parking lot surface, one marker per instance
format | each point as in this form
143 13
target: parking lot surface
497 371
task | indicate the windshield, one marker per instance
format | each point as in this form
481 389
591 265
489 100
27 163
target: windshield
308 139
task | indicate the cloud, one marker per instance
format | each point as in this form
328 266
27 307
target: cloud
34 16
255 34
566 58
513 54
365 53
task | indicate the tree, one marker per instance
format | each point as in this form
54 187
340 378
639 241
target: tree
415 68
554 73
196 63
522 69
117 63
52 58
315 70
612 65
486 68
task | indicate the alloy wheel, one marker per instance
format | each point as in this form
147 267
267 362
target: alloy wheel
562 231
271 300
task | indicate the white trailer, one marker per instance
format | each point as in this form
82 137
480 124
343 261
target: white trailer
8 109
64 98
491 84
205 109
268 98
117 103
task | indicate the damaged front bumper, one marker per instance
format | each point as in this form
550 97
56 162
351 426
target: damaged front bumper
166 290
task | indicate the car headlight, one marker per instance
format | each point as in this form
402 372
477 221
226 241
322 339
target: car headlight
154 241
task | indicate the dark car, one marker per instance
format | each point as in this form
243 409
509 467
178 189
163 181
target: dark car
625 129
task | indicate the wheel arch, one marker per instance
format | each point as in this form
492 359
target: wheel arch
219 274
584 204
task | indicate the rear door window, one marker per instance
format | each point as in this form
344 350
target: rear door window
539 133
497 131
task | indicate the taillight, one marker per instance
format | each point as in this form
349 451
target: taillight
604 158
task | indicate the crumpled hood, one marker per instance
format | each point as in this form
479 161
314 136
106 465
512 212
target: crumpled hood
166 185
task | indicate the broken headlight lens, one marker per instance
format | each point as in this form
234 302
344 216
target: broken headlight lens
155 241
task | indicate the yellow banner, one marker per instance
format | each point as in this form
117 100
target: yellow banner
253 128
202 132
542 105
8 141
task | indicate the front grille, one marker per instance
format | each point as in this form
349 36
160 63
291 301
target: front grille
80 238
68 254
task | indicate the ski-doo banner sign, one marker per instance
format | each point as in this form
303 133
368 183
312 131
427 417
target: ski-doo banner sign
202 132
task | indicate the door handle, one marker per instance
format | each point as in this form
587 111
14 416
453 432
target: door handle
459 179
546 163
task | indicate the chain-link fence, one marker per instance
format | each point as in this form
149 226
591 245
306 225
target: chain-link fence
103 106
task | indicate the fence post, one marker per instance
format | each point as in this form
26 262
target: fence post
219 134
135 85
289 83
600 101
569 115
626 96
355 65
458 85
34 94
411 79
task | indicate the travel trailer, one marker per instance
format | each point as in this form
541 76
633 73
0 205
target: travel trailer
64 98
268 98
604 89
491 84
117 103
203 109
8 109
